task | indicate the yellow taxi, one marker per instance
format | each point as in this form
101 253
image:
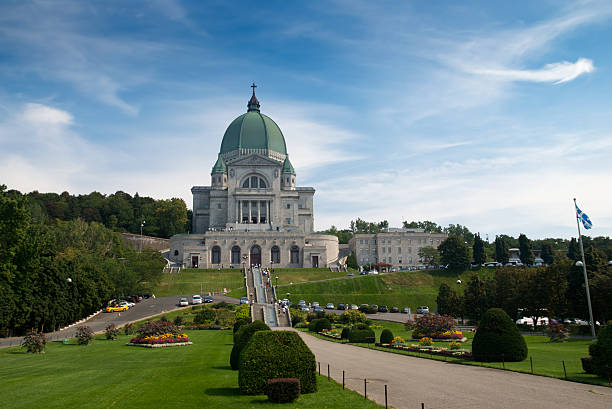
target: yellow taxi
117 308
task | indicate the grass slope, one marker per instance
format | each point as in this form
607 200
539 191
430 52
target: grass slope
401 289
110 374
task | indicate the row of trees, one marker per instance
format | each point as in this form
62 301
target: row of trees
55 273
556 290
119 211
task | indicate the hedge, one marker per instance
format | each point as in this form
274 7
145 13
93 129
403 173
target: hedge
239 323
601 352
242 338
498 339
283 390
362 333
346 333
276 354
319 324
386 336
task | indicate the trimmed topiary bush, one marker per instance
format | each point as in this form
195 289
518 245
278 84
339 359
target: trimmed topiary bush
498 339
601 352
346 333
386 336
242 338
587 364
274 354
283 390
319 324
239 323
361 333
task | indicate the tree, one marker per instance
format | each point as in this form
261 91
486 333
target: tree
547 253
573 251
429 256
502 251
460 231
351 261
498 339
526 251
447 301
475 298
478 250
427 226
455 253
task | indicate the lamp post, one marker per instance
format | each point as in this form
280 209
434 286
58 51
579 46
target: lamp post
142 223
586 282
276 281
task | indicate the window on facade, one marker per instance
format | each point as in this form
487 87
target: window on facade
219 206
383 241
390 260
399 250
288 221
399 260
205 206
360 241
299 205
235 255
254 182
410 260
389 250
366 241
288 205
216 255
383 249
176 252
275 254
295 255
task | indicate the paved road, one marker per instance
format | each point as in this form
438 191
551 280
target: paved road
143 309
412 381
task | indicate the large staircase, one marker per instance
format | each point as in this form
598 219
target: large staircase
260 298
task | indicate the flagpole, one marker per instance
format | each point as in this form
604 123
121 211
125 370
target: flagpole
586 279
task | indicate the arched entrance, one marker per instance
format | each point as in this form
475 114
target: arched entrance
255 255
275 255
236 255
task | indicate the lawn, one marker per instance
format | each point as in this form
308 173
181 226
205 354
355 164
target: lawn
111 374
189 281
400 289
547 357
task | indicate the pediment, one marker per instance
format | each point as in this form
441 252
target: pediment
256 160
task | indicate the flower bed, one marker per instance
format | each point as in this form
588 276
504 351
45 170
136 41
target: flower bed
429 350
444 336
163 339
333 333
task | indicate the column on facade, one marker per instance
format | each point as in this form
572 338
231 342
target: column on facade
240 211
258 212
268 212
236 203
250 216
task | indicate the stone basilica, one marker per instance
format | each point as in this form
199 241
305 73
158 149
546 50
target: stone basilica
253 212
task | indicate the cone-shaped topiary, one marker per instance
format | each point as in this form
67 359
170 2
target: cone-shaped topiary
386 336
276 354
242 338
319 324
498 339
239 323
601 351
346 333
362 333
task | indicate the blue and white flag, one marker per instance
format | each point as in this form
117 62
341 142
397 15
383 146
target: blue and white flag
586 222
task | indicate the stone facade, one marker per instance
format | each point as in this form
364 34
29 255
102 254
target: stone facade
398 247
253 212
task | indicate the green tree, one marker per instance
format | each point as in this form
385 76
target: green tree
446 300
502 251
478 250
460 231
455 253
475 298
547 253
426 225
573 251
526 251
351 261
429 256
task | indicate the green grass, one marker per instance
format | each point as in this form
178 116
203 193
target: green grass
189 281
547 357
401 289
303 275
110 374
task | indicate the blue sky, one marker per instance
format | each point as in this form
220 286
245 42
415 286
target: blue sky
493 115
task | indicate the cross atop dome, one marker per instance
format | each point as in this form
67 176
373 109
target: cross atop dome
253 104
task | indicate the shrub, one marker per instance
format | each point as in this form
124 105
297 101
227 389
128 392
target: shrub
152 328
301 324
242 338
273 354
283 390
243 312
128 329
386 336
225 318
239 323
178 320
454 345
361 333
224 305
204 316
498 339
601 351
426 341
430 325
346 333
297 316
84 335
319 324
352 317
111 331
34 342
587 364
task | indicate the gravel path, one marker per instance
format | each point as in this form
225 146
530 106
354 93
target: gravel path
412 381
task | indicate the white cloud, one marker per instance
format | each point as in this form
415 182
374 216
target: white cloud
557 72
42 114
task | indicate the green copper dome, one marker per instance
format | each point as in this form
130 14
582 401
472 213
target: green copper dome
288 167
253 131
219 166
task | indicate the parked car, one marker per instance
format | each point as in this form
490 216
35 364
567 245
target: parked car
354 307
196 299
301 302
363 273
341 306
493 264
374 307
304 307
405 310
330 306
423 309
315 304
116 308
318 308
183 302
394 309
350 275
244 300
209 299
373 272
128 303
383 308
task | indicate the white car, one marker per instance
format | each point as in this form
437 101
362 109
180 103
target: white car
354 307
183 302
196 299
314 304
126 303
373 272
423 309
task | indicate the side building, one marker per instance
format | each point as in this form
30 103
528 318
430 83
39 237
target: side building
397 247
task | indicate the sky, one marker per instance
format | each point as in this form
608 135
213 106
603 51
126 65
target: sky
493 115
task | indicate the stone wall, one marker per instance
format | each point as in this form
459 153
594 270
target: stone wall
147 242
